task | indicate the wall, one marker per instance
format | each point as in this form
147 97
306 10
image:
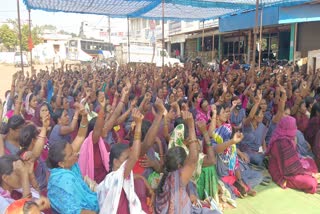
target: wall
311 56
7 57
308 37
247 20
300 13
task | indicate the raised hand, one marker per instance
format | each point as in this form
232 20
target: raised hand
188 118
46 121
202 126
159 106
102 100
258 98
20 168
213 109
237 138
82 110
137 116
43 203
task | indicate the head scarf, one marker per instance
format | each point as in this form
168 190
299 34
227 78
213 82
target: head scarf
177 139
29 110
286 129
36 119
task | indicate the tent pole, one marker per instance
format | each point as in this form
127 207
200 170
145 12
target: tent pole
260 40
163 43
128 39
30 35
255 32
202 41
109 29
20 37
213 55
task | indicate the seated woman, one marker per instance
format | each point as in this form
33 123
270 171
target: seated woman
228 167
30 106
116 192
205 175
43 111
14 174
67 191
11 131
32 144
63 129
285 166
254 132
172 196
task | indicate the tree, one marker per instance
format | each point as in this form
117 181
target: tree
8 37
24 34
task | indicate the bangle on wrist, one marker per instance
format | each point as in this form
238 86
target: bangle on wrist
41 137
192 141
83 125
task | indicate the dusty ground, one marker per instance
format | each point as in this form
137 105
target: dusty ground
6 72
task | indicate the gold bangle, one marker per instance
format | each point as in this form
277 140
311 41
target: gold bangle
83 126
192 141
137 137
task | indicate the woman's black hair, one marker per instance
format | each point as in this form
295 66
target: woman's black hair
315 109
175 158
91 125
194 97
6 165
27 134
145 126
202 101
219 108
30 98
115 153
309 101
182 101
53 99
56 154
57 114
28 205
13 123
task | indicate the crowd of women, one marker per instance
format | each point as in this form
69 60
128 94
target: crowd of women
146 140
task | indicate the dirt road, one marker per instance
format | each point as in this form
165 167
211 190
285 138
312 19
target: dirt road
6 72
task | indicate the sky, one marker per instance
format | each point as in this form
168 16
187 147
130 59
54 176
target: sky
67 21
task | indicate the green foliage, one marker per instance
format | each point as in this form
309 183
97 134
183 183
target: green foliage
10 36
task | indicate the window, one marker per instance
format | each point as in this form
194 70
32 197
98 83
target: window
73 43
207 43
83 45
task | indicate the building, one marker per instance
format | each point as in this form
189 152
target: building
287 32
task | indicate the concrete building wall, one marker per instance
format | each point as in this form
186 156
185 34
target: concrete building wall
308 37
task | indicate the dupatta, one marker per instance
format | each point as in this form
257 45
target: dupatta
109 191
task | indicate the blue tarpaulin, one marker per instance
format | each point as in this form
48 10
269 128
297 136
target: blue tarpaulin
152 9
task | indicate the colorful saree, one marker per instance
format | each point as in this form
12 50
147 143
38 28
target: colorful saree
176 139
229 156
175 199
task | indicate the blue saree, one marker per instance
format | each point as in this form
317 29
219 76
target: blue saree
68 193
